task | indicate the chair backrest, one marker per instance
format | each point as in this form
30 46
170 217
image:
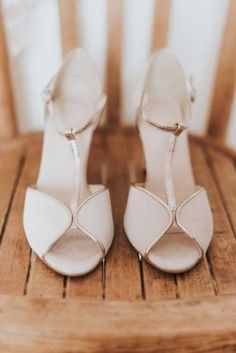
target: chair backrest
223 88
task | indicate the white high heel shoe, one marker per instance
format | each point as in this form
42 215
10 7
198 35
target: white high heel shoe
67 222
168 219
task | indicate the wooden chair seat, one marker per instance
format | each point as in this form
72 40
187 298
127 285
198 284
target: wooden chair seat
134 307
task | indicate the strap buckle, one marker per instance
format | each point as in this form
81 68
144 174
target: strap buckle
70 135
180 127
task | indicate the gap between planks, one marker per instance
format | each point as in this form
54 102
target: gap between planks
222 251
9 179
223 172
41 281
122 271
14 252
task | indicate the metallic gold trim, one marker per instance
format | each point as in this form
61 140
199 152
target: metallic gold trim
70 135
180 127
70 274
77 224
93 121
173 217
165 206
177 128
201 248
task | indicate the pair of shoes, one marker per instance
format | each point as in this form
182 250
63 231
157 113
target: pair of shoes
68 223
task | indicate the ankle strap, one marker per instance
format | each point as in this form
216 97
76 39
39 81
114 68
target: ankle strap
47 96
179 126
176 128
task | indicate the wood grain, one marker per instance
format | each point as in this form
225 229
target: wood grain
161 24
113 74
69 35
47 313
221 252
43 282
225 79
7 117
122 269
224 172
224 252
203 177
48 325
15 251
89 286
10 163
197 282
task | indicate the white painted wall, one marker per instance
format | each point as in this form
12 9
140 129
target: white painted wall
195 34
92 30
196 29
136 42
33 33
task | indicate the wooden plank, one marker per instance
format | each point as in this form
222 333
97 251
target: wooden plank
44 282
114 17
122 269
203 177
224 251
7 119
196 283
223 169
157 284
15 251
68 18
10 163
221 252
45 325
41 281
88 286
91 285
225 79
161 24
